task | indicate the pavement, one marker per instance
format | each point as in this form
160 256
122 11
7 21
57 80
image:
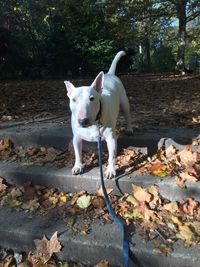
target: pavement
18 230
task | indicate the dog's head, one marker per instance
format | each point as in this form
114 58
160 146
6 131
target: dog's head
85 100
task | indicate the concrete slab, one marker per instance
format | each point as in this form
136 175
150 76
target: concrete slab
104 241
58 134
90 181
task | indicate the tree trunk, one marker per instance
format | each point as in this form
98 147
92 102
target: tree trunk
147 46
181 14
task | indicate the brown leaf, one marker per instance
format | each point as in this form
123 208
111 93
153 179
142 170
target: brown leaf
170 151
172 207
186 177
186 234
162 250
47 247
187 157
100 190
2 185
159 169
102 263
141 194
189 206
29 192
7 262
5 144
98 202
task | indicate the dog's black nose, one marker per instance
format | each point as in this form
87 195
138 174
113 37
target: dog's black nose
83 122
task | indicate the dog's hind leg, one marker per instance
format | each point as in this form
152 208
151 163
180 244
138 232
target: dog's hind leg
125 106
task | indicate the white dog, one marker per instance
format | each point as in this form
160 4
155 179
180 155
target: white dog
95 110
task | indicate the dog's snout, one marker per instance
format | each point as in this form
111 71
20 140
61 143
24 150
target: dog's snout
84 122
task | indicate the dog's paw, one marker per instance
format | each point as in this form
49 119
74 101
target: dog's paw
110 173
77 170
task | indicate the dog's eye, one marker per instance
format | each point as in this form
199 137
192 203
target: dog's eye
91 98
74 100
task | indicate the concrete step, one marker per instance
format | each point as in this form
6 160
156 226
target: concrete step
58 134
104 241
63 180
18 231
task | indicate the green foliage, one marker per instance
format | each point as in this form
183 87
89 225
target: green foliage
163 59
49 38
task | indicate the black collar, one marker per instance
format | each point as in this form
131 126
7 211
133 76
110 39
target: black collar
99 113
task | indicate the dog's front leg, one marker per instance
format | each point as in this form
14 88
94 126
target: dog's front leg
78 166
112 148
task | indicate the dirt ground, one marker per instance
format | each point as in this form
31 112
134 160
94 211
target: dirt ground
156 100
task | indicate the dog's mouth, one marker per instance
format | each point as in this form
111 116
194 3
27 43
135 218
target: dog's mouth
84 122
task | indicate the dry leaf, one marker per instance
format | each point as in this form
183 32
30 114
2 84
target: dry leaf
46 247
100 190
172 207
187 157
186 177
162 250
141 194
102 263
84 201
170 151
185 233
189 206
176 220
2 185
159 169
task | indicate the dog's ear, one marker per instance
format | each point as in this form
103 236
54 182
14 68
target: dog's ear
70 87
98 82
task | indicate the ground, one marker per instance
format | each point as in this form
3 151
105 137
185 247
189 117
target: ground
156 100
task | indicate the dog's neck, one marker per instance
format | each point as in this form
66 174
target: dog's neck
98 117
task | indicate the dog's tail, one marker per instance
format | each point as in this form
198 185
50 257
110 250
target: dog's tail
115 61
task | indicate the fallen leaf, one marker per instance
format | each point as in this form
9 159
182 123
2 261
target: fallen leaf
5 144
132 200
100 191
186 234
159 169
176 220
189 206
141 194
45 248
102 263
187 157
186 177
170 151
2 185
84 201
172 207
15 203
162 250
98 202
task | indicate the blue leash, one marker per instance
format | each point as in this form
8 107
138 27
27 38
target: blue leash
110 209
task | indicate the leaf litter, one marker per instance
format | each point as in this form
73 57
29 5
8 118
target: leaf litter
155 218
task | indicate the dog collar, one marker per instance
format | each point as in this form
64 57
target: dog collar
99 113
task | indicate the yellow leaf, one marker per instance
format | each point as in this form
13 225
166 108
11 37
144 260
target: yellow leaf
84 201
159 169
186 234
15 203
132 200
141 194
176 220
132 215
172 207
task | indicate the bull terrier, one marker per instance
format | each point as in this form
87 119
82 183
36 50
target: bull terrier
94 111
